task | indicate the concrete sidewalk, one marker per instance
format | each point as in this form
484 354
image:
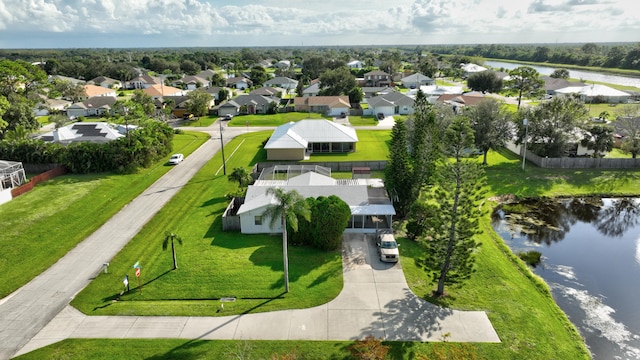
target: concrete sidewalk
375 301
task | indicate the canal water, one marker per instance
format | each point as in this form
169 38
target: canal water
590 260
576 74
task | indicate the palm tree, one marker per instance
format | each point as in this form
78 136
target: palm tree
241 176
170 238
289 205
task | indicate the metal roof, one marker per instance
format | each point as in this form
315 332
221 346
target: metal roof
299 134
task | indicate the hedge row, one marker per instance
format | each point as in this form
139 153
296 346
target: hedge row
140 148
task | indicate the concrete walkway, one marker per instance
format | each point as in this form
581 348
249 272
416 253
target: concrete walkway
375 301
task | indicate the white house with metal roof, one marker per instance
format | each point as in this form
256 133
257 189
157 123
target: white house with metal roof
370 207
294 140
595 92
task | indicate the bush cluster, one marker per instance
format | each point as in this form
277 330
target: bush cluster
141 148
329 216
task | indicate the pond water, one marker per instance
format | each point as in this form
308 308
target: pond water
590 259
576 74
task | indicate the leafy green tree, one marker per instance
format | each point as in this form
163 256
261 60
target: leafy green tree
189 67
491 123
551 125
288 206
4 105
424 140
17 134
335 82
419 216
329 217
217 79
313 67
199 102
241 176
449 250
485 81
20 113
223 95
628 125
59 120
170 238
598 138
427 67
144 101
399 180
524 81
560 74
258 75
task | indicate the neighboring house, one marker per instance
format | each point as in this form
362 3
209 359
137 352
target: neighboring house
247 104
371 91
239 83
47 106
459 102
95 132
159 90
377 78
553 84
143 82
469 69
282 82
105 82
179 104
394 103
191 82
74 81
215 92
433 92
595 93
95 106
292 141
312 90
416 80
370 206
282 64
12 175
355 64
328 105
206 74
95 91
268 91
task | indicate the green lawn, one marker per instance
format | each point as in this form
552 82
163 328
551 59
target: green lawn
529 323
212 263
371 145
202 121
69 208
368 120
273 119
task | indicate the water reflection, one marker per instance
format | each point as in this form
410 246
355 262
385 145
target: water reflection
546 221
590 255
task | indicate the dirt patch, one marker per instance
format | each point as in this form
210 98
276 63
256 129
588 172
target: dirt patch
504 199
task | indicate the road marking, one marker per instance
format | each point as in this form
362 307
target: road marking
234 151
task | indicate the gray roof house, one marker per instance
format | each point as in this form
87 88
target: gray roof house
247 104
95 132
416 80
282 82
312 90
294 140
394 103
93 106
369 204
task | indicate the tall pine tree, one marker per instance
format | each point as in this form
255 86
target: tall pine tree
450 249
399 179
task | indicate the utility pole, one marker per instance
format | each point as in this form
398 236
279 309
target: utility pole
526 134
224 164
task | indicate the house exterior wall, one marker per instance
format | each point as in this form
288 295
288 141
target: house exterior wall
227 111
76 112
386 110
337 111
285 154
248 226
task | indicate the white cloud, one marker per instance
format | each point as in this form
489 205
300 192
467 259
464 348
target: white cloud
335 22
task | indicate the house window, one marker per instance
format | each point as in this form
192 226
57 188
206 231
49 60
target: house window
257 220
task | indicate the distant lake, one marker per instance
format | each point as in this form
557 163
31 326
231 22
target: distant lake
576 74
591 261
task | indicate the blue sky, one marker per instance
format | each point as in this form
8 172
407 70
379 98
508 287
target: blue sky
244 23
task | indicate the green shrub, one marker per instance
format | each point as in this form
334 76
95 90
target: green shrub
532 257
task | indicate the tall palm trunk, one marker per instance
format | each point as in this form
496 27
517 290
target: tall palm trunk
285 255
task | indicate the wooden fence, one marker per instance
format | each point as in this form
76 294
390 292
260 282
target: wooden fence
47 175
577 162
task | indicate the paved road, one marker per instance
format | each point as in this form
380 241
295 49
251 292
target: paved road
375 300
25 312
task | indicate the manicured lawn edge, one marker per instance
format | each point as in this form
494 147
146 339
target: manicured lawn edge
58 214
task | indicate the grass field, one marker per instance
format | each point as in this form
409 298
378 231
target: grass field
371 145
202 121
356 120
51 219
273 119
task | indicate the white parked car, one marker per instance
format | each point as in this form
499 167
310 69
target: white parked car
387 246
176 159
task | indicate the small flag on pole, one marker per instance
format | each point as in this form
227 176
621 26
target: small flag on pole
136 265
126 280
